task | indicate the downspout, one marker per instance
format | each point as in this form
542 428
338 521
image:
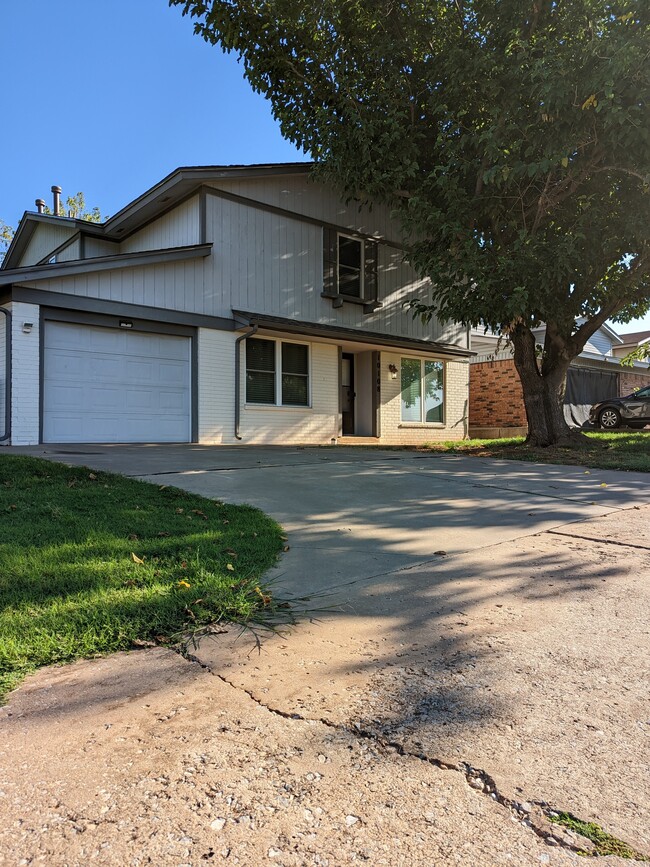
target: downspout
253 329
7 431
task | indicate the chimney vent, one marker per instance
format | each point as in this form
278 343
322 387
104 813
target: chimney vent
56 200
40 205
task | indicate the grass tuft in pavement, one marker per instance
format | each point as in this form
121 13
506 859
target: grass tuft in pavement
622 450
604 843
92 563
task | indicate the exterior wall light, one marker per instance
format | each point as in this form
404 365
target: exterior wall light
27 327
126 323
393 371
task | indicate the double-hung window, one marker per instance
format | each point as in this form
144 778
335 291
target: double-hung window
350 267
423 390
277 372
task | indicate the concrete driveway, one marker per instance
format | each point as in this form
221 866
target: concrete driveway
484 630
359 513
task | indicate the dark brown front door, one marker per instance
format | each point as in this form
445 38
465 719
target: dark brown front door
347 394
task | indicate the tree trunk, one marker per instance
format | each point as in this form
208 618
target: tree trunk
544 385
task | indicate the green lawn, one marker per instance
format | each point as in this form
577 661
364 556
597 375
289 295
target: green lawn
92 563
607 451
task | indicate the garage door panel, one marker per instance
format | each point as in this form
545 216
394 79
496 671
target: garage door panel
105 385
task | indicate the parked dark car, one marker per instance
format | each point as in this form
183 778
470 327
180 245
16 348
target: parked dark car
633 410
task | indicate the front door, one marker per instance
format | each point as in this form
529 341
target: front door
347 394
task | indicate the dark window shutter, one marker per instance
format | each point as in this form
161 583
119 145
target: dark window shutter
370 271
330 283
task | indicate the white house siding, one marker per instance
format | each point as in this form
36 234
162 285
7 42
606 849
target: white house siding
25 389
177 228
396 432
263 425
46 238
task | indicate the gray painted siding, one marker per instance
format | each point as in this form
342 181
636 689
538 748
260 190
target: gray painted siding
69 254
298 194
262 262
178 228
45 239
95 247
272 264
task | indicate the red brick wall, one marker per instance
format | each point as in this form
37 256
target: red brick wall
495 395
629 382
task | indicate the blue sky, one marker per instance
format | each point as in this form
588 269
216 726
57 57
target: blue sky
109 97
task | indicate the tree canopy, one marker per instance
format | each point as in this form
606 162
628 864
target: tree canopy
510 137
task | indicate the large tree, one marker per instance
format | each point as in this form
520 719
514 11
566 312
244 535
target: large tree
510 136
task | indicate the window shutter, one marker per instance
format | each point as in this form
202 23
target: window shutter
330 283
370 271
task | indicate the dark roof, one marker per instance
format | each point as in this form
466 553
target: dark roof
635 337
163 196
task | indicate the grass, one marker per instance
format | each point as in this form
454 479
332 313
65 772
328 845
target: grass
92 563
603 842
605 451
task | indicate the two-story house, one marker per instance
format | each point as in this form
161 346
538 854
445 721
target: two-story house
240 304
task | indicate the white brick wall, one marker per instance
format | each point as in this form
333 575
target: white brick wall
396 432
25 354
3 370
263 425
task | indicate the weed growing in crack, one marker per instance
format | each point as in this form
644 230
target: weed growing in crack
605 844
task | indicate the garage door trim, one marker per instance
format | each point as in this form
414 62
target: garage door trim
55 314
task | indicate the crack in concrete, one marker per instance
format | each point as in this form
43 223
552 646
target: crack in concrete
601 540
476 778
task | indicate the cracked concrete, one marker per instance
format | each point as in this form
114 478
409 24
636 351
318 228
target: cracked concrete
429 714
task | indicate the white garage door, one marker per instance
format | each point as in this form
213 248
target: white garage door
108 385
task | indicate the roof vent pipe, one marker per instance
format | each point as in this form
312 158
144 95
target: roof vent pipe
40 205
56 200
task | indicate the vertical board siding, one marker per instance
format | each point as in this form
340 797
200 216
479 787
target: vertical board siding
298 194
177 228
264 263
95 247
45 239
70 253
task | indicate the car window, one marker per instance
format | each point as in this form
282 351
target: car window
642 392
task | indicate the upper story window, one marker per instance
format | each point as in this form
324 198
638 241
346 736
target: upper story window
350 266
265 358
349 269
423 390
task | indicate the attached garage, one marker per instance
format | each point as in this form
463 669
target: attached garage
112 384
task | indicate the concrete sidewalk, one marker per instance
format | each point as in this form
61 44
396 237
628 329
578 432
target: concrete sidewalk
430 714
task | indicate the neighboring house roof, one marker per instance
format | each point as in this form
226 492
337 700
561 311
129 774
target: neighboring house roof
166 194
634 338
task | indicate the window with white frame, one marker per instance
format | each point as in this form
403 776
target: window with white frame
423 390
277 372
